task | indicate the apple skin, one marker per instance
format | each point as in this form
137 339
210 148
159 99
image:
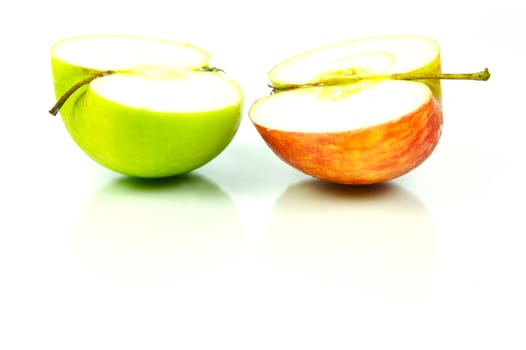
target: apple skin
364 156
151 144
137 142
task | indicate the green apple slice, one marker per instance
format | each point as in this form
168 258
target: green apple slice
382 55
144 107
376 55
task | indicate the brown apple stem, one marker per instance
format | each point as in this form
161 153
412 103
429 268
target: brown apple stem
212 69
337 79
60 102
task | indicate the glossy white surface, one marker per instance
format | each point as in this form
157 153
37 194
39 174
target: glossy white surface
247 253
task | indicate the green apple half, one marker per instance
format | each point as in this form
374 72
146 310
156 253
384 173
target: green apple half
356 112
144 107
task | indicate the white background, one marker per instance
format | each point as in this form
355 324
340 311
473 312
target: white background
248 253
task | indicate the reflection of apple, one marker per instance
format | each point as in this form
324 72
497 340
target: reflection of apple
136 230
144 107
352 113
377 240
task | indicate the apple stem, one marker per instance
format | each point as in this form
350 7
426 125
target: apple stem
60 102
482 75
212 69
344 79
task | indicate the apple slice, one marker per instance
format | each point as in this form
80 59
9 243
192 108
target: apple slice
357 112
144 107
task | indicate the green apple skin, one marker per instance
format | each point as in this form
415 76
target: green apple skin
137 142
66 75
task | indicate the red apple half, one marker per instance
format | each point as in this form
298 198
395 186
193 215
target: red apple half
336 116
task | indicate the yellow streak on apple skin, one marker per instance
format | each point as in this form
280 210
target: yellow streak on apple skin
365 156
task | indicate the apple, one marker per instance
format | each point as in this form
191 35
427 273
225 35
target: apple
144 107
357 112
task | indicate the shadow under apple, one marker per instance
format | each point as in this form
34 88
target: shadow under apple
378 239
157 231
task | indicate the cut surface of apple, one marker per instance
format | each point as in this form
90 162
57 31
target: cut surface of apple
334 115
159 111
367 56
340 108
127 52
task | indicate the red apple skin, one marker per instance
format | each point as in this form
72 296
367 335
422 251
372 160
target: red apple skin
364 156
